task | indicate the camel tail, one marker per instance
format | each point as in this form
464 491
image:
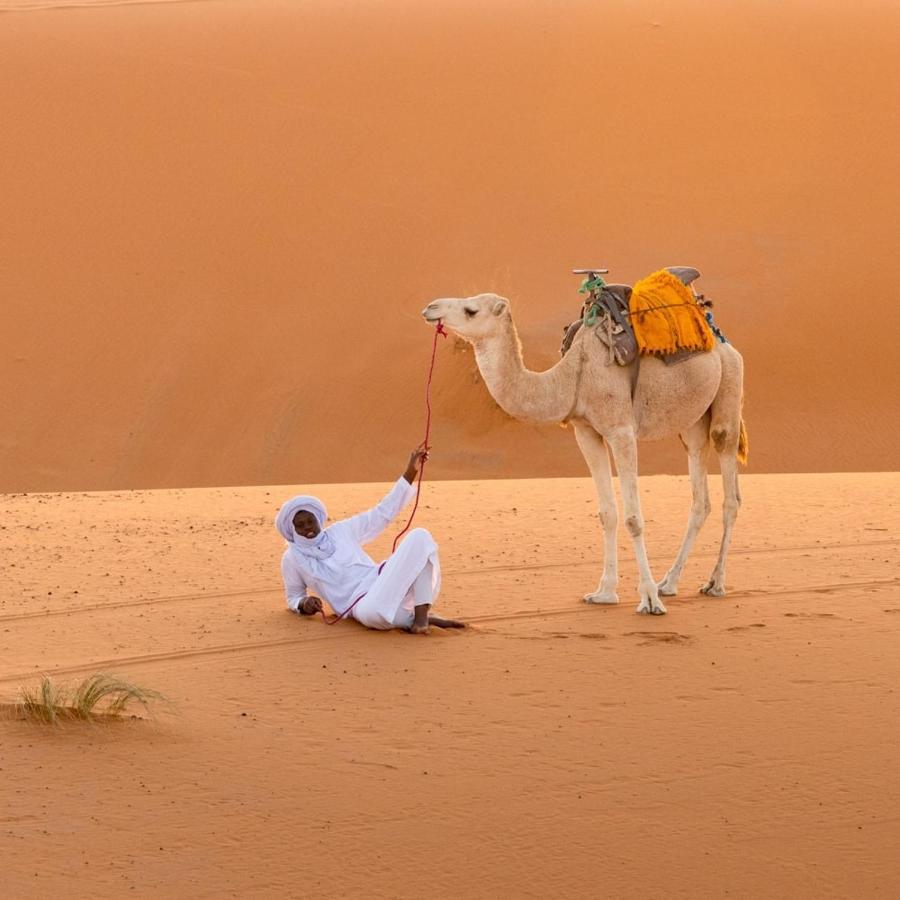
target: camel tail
743 451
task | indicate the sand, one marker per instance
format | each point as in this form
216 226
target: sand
745 747
223 217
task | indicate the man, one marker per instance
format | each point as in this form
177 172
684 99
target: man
331 562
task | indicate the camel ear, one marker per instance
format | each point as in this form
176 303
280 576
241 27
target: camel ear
500 307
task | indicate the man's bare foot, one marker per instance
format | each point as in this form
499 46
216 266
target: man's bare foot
438 622
420 620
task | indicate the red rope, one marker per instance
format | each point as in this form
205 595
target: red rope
439 329
338 616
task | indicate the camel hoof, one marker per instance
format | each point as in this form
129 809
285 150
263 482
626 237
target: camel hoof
650 602
647 608
667 590
602 597
711 589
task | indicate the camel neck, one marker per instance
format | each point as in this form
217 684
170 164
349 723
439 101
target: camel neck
539 397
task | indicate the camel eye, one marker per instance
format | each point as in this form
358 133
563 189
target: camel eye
470 312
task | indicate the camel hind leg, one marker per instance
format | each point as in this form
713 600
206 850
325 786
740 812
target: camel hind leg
729 438
715 587
696 442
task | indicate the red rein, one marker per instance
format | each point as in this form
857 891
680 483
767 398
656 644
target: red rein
439 329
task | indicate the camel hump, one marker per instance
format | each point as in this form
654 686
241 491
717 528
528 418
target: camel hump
685 274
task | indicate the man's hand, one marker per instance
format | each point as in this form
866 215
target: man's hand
310 606
416 458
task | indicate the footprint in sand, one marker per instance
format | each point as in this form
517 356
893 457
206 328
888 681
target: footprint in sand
746 627
806 615
550 636
659 637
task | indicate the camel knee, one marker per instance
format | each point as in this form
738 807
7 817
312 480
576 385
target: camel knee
724 438
700 510
609 520
635 526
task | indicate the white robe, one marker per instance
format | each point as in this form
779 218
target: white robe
350 572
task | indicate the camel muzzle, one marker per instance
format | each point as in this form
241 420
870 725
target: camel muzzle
430 314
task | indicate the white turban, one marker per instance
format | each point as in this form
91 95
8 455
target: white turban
284 521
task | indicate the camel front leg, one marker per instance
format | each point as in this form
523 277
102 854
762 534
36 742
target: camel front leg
696 441
596 456
624 449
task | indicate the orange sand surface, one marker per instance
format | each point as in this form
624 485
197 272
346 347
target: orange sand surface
221 218
745 747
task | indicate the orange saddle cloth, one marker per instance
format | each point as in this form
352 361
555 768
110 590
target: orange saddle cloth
666 317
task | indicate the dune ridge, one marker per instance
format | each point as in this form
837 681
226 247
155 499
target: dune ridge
26 5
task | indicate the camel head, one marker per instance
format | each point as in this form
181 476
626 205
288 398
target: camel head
473 318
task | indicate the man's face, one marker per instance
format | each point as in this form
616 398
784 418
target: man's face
306 524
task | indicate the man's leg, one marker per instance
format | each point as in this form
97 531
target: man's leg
423 596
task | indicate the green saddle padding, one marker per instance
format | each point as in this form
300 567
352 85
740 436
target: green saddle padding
588 286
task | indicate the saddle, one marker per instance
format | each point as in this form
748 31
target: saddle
607 311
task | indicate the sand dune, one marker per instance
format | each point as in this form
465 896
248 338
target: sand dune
223 217
743 746
31 5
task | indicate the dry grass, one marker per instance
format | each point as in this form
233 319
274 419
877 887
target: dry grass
100 696
43 704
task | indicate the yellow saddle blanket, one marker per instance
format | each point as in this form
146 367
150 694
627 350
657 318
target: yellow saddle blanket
665 316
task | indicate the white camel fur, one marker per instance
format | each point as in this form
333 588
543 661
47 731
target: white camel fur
611 408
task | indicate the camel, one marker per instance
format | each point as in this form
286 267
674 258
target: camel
611 408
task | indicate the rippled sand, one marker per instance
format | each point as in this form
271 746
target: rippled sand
745 744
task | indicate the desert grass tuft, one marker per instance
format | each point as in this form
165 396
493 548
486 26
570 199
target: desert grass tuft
99 696
45 704
111 695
